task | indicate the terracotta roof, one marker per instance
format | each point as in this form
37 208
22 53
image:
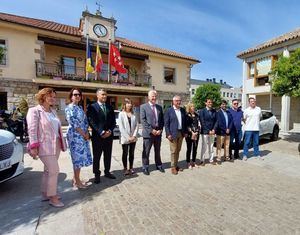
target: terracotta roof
275 41
41 24
74 31
142 46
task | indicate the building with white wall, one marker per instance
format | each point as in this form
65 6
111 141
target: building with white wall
257 63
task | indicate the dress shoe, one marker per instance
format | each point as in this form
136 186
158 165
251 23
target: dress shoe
58 204
174 171
179 169
146 171
97 179
110 176
202 163
160 169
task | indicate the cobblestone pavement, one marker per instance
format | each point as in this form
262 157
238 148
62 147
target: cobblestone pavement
253 197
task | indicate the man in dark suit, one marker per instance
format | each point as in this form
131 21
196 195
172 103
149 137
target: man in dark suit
175 127
102 120
152 121
223 128
208 120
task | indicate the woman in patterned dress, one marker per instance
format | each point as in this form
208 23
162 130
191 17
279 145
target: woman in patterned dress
78 136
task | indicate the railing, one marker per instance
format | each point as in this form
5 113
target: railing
66 72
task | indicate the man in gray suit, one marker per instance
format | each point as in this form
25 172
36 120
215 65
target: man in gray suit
152 121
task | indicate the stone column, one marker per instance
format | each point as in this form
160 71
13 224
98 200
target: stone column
285 105
245 77
285 113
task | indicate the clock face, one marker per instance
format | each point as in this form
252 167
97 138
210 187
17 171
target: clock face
100 30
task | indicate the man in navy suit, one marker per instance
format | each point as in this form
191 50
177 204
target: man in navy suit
102 120
223 128
152 121
208 120
175 127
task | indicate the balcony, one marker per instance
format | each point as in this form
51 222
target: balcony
72 73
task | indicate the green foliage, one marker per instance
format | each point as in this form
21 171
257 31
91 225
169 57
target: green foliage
286 75
205 91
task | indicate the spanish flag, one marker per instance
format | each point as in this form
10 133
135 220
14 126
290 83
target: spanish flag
89 62
99 61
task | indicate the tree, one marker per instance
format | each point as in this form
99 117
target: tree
286 75
211 91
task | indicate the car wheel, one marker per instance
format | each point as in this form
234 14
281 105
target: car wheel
275 133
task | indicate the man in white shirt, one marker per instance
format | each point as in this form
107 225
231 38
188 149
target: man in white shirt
175 127
252 116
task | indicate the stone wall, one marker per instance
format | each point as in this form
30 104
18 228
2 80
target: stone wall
17 89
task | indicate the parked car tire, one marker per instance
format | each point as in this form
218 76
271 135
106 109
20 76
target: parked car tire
275 133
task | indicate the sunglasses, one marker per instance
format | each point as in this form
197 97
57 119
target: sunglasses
235 103
76 94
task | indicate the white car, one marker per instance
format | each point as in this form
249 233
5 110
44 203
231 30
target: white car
269 125
11 156
116 129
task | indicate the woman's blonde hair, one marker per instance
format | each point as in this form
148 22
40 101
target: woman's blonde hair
41 95
189 106
127 101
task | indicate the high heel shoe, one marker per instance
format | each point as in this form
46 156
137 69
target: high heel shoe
58 204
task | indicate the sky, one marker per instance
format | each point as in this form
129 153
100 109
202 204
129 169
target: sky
212 31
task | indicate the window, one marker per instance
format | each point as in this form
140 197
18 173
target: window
227 94
3 101
169 75
3 52
251 70
69 65
230 95
223 94
193 91
263 66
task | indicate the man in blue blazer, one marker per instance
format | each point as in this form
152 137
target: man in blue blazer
175 127
208 120
152 121
223 128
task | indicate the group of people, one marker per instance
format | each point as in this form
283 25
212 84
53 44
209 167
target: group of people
46 140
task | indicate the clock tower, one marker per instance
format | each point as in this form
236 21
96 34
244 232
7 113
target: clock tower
98 27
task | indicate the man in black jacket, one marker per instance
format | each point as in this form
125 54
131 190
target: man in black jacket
208 120
102 120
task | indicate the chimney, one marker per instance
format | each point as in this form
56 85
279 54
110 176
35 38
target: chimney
214 80
221 81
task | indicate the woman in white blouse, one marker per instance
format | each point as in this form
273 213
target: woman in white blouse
129 129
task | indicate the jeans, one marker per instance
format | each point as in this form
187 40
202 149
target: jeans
254 135
235 136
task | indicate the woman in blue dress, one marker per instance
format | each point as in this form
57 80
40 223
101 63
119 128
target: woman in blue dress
78 136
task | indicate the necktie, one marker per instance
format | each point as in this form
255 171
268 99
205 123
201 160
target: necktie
154 116
104 109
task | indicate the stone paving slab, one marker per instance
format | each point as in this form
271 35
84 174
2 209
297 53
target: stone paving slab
253 197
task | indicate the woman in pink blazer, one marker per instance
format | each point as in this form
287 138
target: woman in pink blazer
46 141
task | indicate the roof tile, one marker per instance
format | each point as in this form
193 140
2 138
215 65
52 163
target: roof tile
275 41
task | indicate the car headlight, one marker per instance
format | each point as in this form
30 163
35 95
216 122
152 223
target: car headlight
16 142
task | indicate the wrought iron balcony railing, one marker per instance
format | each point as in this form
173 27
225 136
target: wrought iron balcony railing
66 72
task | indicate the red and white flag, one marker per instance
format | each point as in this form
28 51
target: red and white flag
116 60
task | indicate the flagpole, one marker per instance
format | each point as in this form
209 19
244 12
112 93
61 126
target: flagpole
109 67
87 48
96 60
